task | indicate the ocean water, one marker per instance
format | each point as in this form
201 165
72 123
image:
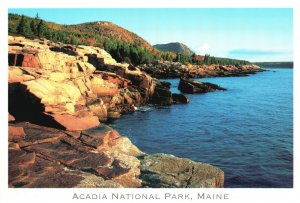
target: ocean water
247 130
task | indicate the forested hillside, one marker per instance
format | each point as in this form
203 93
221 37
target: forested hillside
123 45
174 47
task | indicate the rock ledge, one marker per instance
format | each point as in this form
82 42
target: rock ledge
163 170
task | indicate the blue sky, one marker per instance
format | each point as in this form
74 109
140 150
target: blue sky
251 34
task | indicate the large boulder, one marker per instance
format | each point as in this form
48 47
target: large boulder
192 86
144 83
50 103
168 171
180 98
162 96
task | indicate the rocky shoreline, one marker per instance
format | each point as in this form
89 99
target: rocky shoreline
59 97
44 157
168 70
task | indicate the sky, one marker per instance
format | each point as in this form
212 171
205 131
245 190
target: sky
264 34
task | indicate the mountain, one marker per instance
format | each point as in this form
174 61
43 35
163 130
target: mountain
112 31
91 29
174 47
123 45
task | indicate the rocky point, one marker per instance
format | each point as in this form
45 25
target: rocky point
192 86
167 69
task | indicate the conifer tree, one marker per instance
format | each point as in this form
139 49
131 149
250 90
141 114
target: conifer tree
34 24
23 27
33 27
41 28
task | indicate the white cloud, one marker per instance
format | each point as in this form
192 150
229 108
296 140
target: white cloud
202 49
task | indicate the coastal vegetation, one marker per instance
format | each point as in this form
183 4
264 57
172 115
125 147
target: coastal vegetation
123 45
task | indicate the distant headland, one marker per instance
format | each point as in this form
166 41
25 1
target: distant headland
282 64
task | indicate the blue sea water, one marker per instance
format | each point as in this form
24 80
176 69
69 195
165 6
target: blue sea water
247 130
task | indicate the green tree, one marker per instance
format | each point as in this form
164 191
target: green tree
33 27
73 40
41 29
34 24
23 27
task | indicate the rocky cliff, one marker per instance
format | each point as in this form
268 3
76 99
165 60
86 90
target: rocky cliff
59 96
73 87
